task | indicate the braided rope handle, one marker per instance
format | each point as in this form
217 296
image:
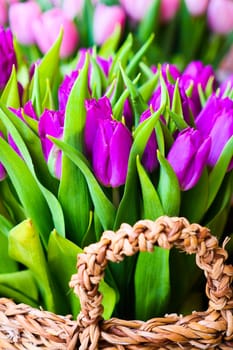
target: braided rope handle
166 232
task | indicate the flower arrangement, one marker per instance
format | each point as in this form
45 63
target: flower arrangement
109 138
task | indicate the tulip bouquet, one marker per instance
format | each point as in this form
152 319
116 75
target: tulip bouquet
185 30
114 139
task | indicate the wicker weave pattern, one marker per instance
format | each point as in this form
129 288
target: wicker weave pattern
201 330
26 328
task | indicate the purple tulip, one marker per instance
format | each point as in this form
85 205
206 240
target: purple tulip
7 55
111 146
197 8
46 28
3 12
68 82
96 111
188 157
105 21
50 123
167 69
220 16
216 121
21 18
149 157
196 73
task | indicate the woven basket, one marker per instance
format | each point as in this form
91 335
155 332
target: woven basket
23 327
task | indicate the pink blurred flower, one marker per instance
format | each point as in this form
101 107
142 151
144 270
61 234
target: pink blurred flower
136 9
73 8
105 20
220 16
197 8
21 17
3 12
169 9
46 29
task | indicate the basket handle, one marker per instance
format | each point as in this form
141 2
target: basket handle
166 232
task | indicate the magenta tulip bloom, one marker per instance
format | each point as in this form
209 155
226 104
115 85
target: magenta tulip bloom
96 110
220 16
105 20
167 70
3 12
216 121
68 81
46 29
149 157
50 123
21 18
188 157
169 9
111 147
7 55
196 73
197 8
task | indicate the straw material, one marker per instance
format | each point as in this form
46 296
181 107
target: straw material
22 327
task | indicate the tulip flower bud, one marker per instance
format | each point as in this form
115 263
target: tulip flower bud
168 9
220 16
96 110
3 13
197 8
169 72
136 9
46 29
149 157
196 73
72 8
50 123
105 21
7 55
112 146
21 17
216 121
188 157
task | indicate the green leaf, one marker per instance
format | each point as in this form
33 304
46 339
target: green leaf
10 94
218 172
149 195
108 48
35 148
17 281
62 258
6 263
153 273
133 65
46 70
104 208
168 187
122 56
73 191
194 201
126 213
137 102
150 22
34 205
25 247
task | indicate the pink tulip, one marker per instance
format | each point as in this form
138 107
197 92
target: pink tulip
197 8
220 16
105 21
46 30
3 13
136 9
21 17
73 8
168 9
